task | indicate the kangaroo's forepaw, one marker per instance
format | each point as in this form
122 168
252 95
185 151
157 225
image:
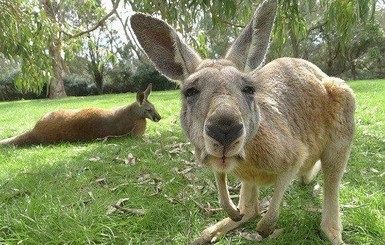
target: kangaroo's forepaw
333 233
200 241
235 216
265 232
207 237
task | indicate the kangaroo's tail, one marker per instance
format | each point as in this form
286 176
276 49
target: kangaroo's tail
21 140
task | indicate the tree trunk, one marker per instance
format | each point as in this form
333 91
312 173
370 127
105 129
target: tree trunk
56 86
330 60
353 69
294 43
98 78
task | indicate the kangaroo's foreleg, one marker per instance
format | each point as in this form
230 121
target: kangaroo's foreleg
224 197
267 224
248 206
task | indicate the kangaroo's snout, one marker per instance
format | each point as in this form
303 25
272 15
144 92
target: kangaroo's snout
225 132
156 118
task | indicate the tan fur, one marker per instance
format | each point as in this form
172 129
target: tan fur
264 125
88 124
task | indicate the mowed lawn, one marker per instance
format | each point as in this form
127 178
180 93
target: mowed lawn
65 194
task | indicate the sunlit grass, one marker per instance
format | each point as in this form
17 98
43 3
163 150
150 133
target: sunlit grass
60 194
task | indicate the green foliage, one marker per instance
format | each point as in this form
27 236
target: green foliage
303 28
99 54
344 15
324 32
78 85
290 18
8 91
25 35
30 29
60 194
146 74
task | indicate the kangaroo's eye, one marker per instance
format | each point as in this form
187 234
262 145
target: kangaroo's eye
248 90
191 92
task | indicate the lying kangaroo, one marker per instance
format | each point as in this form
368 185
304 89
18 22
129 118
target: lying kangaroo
91 123
265 125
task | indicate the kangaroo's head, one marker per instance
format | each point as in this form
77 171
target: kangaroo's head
219 110
146 109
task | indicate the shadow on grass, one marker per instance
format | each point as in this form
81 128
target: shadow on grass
61 193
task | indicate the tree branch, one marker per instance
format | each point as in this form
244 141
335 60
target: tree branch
215 16
129 38
96 26
315 27
312 28
228 22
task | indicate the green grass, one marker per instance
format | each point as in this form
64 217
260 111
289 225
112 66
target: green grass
60 194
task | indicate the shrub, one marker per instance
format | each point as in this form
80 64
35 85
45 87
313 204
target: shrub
146 74
77 85
8 91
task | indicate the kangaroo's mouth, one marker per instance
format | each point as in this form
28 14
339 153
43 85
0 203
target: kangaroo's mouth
155 118
223 163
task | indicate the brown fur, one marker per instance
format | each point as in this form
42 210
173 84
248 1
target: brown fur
88 124
265 125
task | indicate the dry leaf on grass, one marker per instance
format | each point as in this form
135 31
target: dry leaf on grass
264 205
313 209
118 206
144 178
251 236
374 170
210 184
129 160
207 210
118 186
256 237
171 199
101 181
158 152
196 188
178 148
91 195
186 173
94 159
235 187
316 190
155 181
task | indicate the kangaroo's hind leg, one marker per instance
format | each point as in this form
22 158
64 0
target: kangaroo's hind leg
334 160
311 173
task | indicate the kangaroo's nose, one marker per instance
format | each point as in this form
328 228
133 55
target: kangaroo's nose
157 118
224 133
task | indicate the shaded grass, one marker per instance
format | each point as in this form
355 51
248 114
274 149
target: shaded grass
54 194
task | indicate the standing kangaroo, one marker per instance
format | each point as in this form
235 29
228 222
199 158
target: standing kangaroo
265 125
89 124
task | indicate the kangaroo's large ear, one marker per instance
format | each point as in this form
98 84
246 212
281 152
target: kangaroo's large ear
171 56
140 97
147 92
249 49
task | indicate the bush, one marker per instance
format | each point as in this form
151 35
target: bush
146 74
77 85
120 79
8 91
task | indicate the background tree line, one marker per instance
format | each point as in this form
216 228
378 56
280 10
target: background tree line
65 47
